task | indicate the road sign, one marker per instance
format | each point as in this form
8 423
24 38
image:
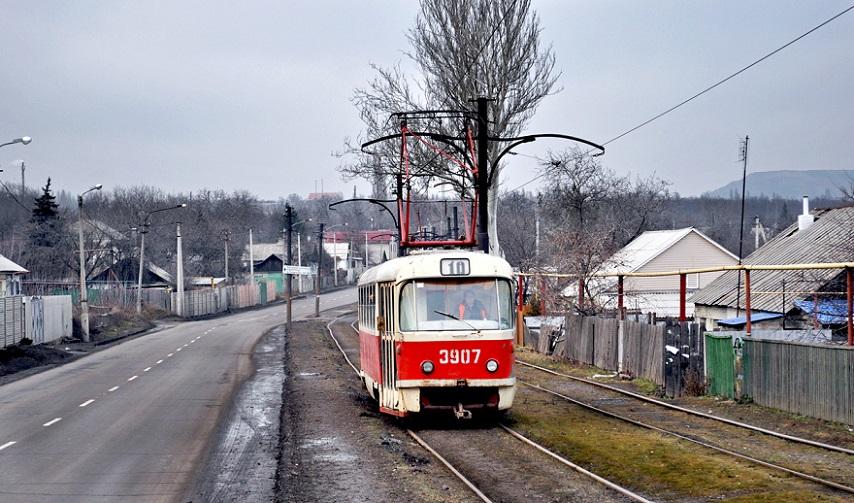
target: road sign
295 269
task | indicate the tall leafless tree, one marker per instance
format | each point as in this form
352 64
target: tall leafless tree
462 50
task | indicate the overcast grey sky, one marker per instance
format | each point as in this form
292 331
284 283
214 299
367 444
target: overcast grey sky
255 95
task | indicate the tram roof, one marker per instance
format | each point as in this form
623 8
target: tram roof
427 265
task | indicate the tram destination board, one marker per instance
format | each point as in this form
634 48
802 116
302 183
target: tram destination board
455 267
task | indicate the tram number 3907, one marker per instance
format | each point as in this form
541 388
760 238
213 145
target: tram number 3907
458 356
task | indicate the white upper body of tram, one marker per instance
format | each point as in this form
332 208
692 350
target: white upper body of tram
436 331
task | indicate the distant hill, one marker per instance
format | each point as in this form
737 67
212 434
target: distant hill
824 183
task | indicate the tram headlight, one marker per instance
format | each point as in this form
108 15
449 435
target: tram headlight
492 365
427 367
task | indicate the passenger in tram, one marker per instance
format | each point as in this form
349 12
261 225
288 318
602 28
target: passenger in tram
471 308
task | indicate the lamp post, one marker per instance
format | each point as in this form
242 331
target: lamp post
84 294
317 276
25 140
179 270
143 231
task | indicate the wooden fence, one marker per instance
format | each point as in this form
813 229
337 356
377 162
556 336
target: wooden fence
643 344
806 379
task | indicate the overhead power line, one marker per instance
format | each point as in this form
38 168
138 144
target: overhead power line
709 88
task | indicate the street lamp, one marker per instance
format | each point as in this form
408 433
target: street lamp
24 140
143 231
84 294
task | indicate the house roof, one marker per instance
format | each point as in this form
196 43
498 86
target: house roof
754 318
829 239
9 267
830 311
644 248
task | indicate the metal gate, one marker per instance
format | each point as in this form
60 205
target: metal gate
35 308
720 365
385 303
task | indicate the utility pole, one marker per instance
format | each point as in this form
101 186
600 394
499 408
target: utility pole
289 223
251 260
317 277
299 261
225 237
23 182
179 301
142 232
84 293
483 173
741 221
335 257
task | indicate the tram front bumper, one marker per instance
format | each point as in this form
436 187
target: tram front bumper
437 394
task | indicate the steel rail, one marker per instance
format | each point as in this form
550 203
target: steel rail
731 422
512 432
579 469
411 433
723 450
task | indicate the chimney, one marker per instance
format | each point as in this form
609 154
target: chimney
805 220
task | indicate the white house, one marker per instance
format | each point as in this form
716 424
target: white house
658 251
10 277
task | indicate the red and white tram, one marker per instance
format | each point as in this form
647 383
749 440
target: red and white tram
436 331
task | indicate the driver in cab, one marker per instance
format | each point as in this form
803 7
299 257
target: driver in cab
471 308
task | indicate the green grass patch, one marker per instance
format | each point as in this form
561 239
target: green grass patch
649 462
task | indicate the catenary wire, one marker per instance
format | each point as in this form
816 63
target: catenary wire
709 88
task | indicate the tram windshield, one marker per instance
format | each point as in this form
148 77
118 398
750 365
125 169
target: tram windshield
480 304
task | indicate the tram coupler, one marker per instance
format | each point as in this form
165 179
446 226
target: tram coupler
461 413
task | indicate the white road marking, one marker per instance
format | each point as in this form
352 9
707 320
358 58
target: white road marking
184 346
87 402
192 341
146 369
132 378
114 388
179 349
158 362
7 444
52 421
169 355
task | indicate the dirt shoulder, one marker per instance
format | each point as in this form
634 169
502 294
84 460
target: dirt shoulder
335 446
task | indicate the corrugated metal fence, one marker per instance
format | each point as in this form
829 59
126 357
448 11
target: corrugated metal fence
218 300
38 318
11 320
806 379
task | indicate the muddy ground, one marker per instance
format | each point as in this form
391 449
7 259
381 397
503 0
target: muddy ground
335 446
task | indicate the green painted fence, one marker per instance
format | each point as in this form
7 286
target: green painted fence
720 365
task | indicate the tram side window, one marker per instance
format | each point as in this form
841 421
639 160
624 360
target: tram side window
367 308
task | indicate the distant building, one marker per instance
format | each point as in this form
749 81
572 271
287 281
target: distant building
126 272
787 299
382 246
10 277
319 196
658 251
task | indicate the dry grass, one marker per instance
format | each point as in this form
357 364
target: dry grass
649 462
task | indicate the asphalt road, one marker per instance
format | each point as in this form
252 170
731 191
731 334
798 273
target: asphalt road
132 422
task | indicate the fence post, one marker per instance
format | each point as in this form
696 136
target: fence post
747 302
580 293
620 299
849 280
520 321
682 295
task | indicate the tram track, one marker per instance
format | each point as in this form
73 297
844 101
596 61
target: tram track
685 437
620 493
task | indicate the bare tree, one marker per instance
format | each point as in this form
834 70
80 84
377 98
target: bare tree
462 50
593 212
